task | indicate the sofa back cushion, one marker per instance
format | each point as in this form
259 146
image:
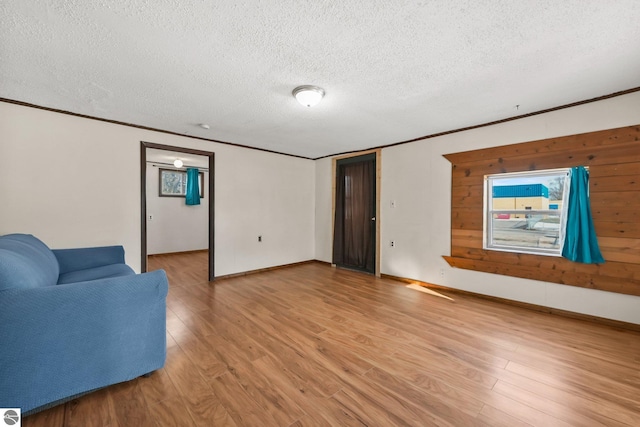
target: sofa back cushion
26 262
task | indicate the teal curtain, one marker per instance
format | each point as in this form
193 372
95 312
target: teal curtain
193 186
580 242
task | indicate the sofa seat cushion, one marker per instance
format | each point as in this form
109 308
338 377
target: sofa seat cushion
103 272
26 262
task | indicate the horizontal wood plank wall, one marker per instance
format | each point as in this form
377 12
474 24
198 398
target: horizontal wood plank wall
613 158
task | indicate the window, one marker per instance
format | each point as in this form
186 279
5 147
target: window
173 183
525 211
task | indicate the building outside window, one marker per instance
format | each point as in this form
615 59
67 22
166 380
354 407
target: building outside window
525 211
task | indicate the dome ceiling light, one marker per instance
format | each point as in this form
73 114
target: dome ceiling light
308 95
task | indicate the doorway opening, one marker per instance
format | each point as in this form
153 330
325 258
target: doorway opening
356 210
210 200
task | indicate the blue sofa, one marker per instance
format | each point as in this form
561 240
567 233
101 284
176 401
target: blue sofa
73 321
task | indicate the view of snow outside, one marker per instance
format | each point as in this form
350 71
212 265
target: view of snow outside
531 230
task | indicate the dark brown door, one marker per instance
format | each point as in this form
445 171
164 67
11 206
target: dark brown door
354 238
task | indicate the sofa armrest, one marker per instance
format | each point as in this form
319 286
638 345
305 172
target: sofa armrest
72 338
83 258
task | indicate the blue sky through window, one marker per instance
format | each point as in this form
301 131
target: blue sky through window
545 180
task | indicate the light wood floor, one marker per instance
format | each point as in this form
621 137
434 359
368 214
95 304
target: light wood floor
311 345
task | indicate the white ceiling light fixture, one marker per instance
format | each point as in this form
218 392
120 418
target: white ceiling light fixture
178 163
308 95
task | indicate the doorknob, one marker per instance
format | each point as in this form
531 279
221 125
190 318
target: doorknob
373 219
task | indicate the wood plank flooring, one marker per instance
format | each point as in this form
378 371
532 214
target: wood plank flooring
310 345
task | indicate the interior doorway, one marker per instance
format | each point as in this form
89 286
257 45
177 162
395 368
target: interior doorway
210 201
355 242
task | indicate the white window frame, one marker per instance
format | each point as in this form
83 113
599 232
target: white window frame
488 212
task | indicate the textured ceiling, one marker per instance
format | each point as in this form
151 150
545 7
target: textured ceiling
392 70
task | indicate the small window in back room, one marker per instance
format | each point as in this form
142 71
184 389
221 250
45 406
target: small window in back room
525 211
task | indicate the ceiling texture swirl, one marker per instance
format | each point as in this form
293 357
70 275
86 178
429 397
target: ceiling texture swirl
392 70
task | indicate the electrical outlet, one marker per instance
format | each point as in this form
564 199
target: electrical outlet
259 238
442 272
393 243
393 204
150 217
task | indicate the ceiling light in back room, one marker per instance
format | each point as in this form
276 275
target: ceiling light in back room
308 95
204 126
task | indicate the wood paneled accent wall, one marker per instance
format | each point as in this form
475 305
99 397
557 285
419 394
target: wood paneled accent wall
613 158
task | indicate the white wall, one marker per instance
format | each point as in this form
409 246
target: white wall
176 226
324 203
418 178
75 182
